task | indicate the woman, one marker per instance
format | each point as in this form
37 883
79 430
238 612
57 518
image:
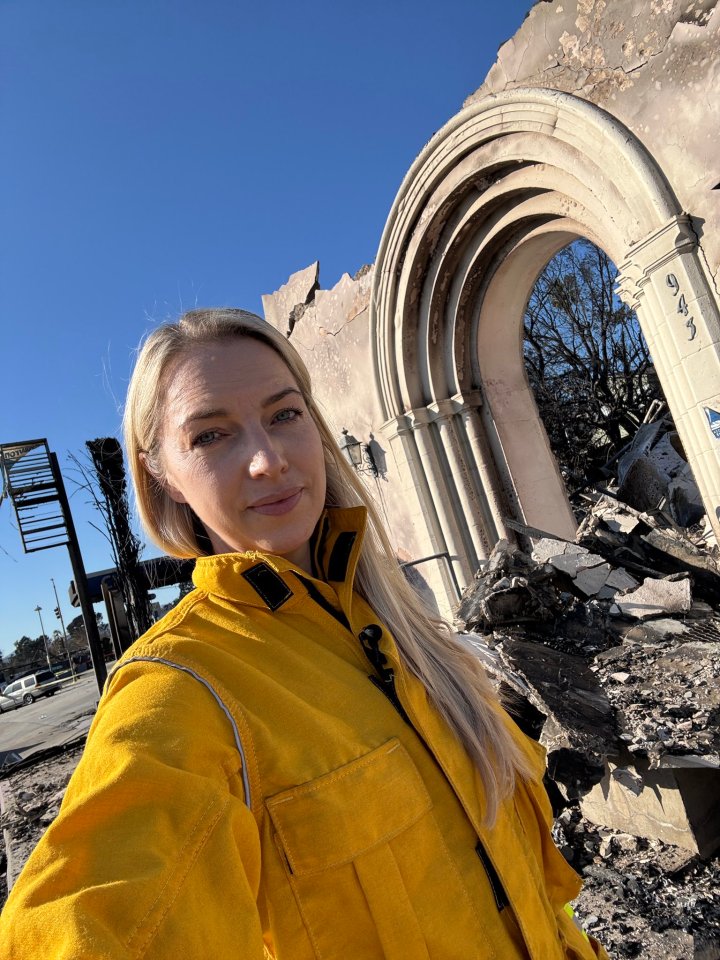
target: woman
297 759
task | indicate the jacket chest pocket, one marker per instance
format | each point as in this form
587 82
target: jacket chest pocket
365 858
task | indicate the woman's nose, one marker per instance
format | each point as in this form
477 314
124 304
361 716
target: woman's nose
268 459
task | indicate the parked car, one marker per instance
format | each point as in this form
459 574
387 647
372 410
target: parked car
44 683
8 703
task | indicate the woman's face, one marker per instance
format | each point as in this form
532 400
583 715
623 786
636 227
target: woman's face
240 447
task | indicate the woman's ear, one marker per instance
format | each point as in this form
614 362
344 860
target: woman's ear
160 478
143 458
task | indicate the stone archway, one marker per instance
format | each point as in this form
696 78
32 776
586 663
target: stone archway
502 187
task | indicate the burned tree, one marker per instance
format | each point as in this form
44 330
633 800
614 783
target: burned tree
108 490
587 361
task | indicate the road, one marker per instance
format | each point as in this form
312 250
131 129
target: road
48 722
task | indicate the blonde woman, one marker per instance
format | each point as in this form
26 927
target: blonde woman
297 761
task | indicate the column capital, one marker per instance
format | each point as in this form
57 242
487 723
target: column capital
397 427
442 409
662 246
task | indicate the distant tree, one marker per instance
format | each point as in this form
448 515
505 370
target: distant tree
27 653
77 637
587 361
28 649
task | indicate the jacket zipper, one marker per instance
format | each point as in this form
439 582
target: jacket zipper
384 677
501 898
384 680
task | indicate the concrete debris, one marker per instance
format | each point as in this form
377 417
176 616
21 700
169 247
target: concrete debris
655 597
30 799
673 804
668 704
608 651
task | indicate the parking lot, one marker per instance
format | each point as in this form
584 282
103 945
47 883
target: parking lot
48 722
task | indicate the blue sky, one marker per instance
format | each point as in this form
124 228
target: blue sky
161 154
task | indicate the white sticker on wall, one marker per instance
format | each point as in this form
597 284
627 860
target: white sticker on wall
714 421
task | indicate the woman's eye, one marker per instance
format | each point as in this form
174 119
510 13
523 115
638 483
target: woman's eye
291 413
204 438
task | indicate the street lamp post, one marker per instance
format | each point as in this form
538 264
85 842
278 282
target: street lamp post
44 636
58 614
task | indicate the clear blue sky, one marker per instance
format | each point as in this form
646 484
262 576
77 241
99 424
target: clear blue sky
161 154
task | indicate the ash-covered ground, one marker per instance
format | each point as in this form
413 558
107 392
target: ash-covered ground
642 898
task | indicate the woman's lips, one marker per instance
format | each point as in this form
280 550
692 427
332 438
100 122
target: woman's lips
276 508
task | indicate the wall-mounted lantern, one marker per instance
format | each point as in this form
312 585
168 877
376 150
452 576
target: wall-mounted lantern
358 455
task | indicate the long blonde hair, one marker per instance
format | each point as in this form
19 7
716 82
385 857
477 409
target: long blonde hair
453 677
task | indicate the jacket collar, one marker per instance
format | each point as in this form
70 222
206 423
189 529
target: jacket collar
271 583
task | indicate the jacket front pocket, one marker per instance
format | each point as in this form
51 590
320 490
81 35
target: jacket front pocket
349 839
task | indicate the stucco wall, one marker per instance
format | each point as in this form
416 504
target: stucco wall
654 65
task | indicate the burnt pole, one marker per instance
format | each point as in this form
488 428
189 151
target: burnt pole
80 578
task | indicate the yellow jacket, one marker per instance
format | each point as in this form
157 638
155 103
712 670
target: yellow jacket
246 787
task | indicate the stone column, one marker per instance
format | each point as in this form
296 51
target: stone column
665 281
442 492
430 533
489 502
451 432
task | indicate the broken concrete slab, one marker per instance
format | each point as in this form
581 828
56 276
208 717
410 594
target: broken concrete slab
655 597
675 805
568 563
579 728
547 549
620 579
656 631
592 579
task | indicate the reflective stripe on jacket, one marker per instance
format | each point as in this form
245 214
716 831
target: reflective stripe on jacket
249 786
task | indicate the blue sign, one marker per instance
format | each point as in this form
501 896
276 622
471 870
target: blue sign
714 421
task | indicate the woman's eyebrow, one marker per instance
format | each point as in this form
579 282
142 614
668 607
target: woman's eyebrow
202 415
281 394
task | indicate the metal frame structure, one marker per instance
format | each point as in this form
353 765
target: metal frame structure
33 483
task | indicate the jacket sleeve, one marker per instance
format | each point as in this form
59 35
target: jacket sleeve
154 853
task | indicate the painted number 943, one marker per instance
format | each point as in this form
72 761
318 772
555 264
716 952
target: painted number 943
682 307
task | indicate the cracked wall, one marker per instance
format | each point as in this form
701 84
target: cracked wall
653 65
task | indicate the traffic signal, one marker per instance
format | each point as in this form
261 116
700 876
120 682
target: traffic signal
57 612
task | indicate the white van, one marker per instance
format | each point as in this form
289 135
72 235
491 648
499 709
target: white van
44 683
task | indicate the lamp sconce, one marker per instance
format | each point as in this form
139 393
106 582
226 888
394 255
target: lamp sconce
358 455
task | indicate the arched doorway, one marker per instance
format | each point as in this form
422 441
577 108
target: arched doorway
495 194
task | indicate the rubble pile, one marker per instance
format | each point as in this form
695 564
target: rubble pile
665 683
642 898
591 628
607 650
